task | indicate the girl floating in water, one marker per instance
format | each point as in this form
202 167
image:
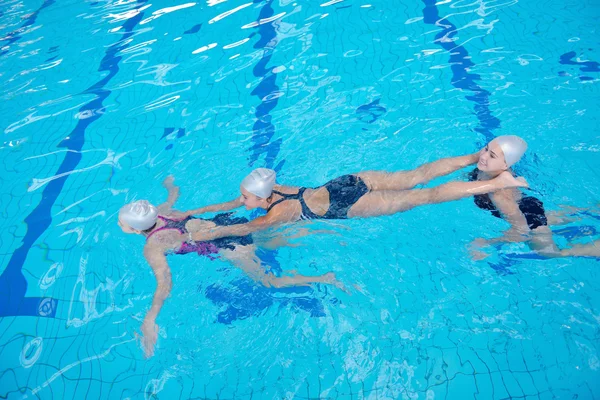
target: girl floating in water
365 194
525 214
167 235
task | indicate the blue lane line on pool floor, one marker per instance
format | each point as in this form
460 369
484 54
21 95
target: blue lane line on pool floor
584 66
246 298
459 63
369 113
13 285
266 91
14 36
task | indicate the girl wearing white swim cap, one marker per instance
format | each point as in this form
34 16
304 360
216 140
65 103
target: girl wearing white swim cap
364 194
165 233
526 215
501 153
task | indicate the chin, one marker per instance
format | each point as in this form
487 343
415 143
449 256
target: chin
481 167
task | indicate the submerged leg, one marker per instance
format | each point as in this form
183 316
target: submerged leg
283 238
244 257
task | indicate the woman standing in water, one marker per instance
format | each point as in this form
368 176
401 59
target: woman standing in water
526 214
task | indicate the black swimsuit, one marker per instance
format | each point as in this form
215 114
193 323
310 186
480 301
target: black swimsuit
531 207
344 192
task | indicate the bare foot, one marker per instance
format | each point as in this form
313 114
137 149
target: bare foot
507 180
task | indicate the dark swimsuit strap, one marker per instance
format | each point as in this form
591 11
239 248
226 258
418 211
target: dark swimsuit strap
306 211
287 196
168 225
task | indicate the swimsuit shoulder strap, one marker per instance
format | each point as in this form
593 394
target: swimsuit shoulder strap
286 196
307 213
169 224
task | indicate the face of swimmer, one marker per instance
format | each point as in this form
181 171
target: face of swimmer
491 158
252 201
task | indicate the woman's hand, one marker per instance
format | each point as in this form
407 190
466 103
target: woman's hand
150 335
168 182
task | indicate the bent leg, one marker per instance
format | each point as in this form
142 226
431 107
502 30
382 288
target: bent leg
542 242
244 257
403 180
387 202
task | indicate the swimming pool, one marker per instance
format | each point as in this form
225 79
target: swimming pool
101 100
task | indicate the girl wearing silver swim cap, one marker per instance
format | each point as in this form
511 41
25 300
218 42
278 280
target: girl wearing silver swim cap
260 182
167 233
364 194
137 216
526 214
501 153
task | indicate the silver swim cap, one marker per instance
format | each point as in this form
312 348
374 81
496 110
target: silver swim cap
260 182
512 146
139 215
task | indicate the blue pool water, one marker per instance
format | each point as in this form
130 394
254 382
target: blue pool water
101 100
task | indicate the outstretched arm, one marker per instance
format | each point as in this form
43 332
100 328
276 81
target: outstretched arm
405 180
255 225
227 206
442 167
173 195
157 260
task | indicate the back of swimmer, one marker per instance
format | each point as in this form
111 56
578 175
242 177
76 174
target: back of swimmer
143 218
342 192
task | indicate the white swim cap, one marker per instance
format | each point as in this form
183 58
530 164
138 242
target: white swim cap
139 215
260 182
512 146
